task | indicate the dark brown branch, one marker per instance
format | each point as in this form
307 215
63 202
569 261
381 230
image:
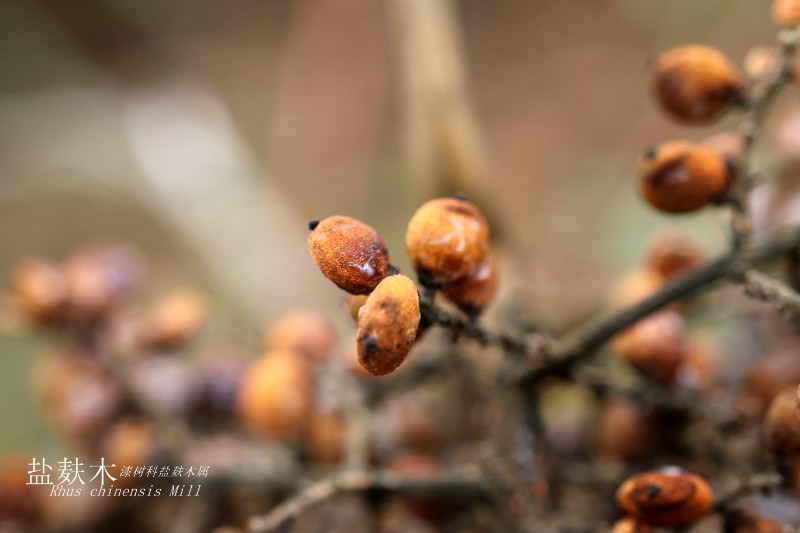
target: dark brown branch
462 326
762 287
452 487
560 353
762 98
745 485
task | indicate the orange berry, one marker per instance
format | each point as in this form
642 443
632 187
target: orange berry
623 432
309 333
415 465
655 346
325 437
354 304
475 292
276 395
177 318
771 374
759 61
100 277
131 441
786 13
20 503
672 254
350 253
695 84
40 290
388 324
447 240
782 427
665 498
634 287
681 176
747 521
629 525
78 395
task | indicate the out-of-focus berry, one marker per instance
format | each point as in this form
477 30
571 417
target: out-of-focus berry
276 395
308 333
176 319
695 84
681 176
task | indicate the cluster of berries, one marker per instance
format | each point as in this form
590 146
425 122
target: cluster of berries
448 243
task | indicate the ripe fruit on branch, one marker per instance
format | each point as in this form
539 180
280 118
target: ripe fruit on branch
276 396
354 304
447 240
388 324
40 291
672 254
782 428
309 333
100 277
695 84
681 176
655 346
786 13
350 253
665 498
177 319
629 525
475 292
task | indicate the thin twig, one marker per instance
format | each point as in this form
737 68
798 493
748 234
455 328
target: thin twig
450 487
762 98
461 326
744 485
560 353
762 287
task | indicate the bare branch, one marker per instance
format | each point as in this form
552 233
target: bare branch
760 286
760 102
451 487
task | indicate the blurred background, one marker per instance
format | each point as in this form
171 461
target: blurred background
208 133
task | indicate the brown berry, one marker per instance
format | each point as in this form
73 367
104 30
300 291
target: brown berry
759 61
100 277
325 437
388 324
276 395
354 304
420 466
672 254
629 525
40 290
309 333
634 287
623 432
782 427
695 84
769 375
475 292
130 441
350 253
665 498
655 346
681 176
447 240
786 13
747 521
79 396
176 319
